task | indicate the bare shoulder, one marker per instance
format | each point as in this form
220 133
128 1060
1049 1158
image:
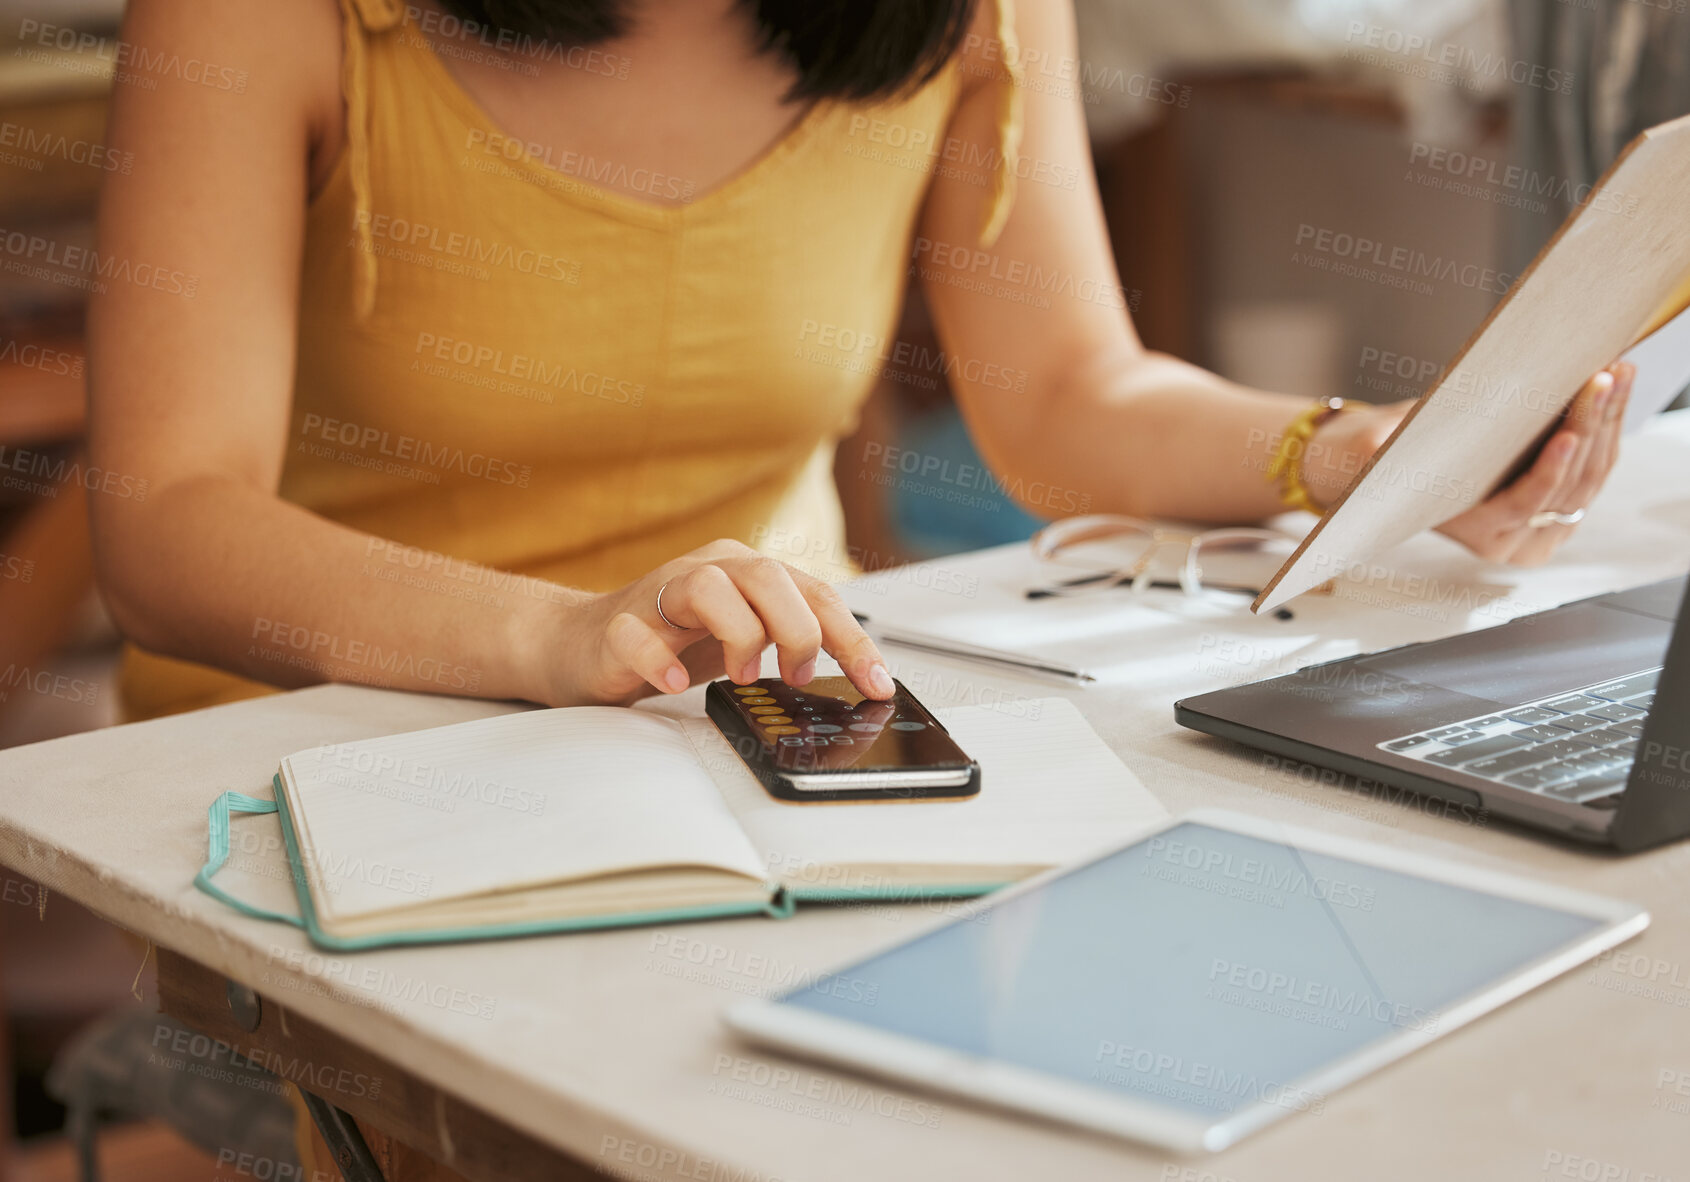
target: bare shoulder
262 57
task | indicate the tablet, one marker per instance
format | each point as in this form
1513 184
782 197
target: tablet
1214 975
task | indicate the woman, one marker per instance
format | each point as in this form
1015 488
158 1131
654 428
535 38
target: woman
506 340
514 325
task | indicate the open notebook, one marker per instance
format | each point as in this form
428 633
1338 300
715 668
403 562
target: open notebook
591 817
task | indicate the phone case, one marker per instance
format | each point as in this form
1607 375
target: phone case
718 704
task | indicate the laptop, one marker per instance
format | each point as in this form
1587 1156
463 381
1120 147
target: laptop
1574 720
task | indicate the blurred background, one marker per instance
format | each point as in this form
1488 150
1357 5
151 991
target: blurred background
1228 133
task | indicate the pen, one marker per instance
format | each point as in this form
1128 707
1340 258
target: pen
958 650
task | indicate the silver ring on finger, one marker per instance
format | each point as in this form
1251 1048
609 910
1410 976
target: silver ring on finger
660 614
1540 520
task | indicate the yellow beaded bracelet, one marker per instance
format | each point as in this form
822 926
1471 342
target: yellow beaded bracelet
1285 467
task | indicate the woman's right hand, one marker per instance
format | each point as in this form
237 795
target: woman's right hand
728 603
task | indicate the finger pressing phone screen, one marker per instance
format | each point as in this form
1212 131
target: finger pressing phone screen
828 726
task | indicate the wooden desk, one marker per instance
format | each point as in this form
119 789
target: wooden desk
607 1047
358 1079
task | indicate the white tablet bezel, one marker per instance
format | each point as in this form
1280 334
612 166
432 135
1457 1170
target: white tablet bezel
908 1060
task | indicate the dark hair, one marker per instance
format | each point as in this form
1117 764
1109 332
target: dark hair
844 49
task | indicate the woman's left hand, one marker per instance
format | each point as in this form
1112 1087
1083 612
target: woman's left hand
1564 479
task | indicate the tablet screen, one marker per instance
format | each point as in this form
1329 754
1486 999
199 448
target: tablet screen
1200 969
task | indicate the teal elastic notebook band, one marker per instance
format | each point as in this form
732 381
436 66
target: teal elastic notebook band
235 802
781 904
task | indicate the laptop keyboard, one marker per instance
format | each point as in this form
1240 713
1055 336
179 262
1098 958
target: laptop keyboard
1575 746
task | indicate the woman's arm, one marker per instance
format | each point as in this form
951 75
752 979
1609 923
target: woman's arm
191 394
1100 420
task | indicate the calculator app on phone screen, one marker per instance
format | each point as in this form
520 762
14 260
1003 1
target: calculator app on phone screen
827 729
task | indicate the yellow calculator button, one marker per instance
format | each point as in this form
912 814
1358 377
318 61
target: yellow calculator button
746 690
781 730
774 720
766 709
759 701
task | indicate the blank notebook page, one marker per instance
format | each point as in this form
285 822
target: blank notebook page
501 803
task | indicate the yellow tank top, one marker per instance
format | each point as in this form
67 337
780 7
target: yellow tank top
506 361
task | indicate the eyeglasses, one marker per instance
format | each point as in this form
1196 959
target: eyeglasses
1082 555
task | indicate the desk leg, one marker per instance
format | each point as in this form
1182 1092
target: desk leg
351 1155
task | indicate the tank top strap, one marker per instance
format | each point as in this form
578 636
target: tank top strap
1010 119
363 19
378 15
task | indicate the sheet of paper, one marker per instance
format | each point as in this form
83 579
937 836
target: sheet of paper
1119 638
1051 791
1663 370
507 802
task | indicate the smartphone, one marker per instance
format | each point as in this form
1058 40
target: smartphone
825 741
